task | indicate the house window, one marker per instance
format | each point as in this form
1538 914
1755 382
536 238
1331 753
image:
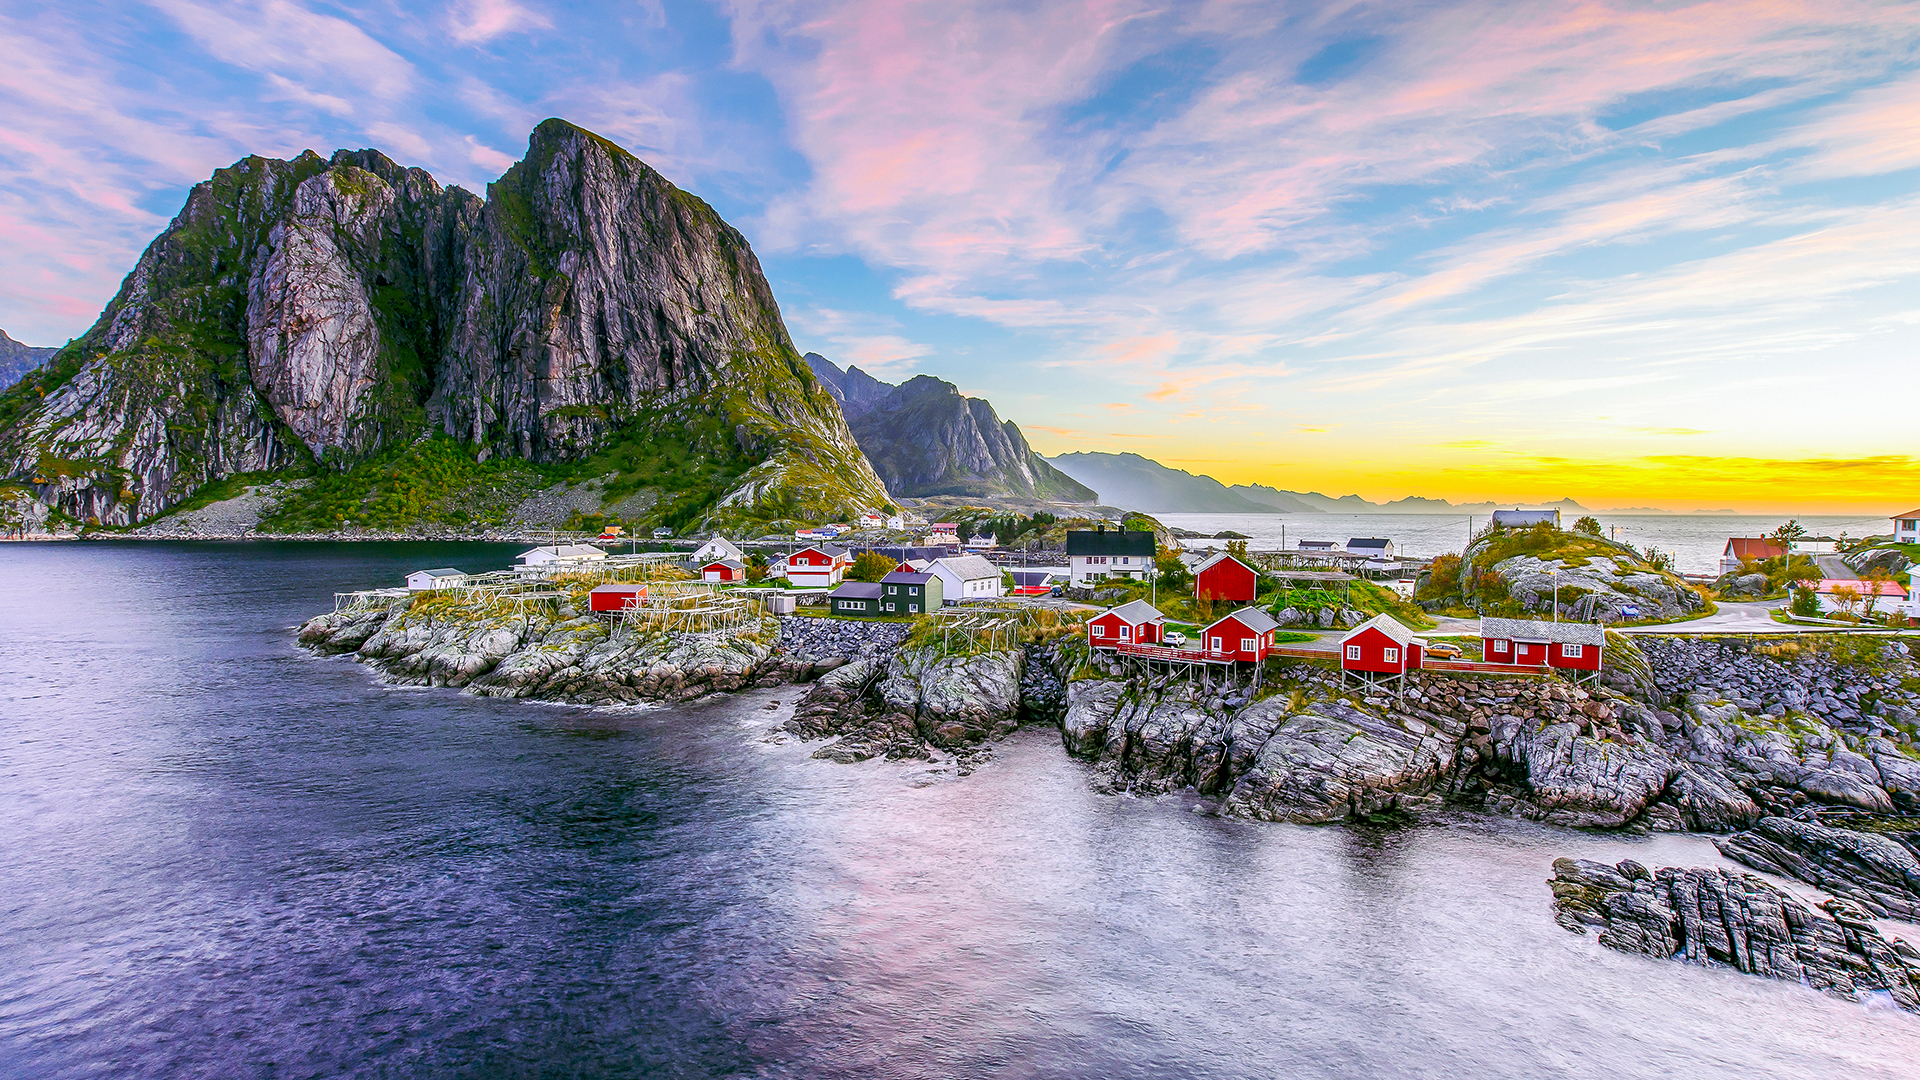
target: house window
893 588
1126 632
1099 631
1216 645
1571 651
1248 644
1391 656
1499 646
889 607
1353 652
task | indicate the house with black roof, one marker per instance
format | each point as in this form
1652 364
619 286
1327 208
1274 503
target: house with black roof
906 593
856 598
1103 553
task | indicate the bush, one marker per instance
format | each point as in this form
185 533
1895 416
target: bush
1588 525
870 566
1806 603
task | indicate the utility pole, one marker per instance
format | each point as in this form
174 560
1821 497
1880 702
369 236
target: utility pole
1556 595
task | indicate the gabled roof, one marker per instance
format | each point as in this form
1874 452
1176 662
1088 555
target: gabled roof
1908 514
1380 542
1565 633
1752 547
828 550
856 590
1134 611
1111 542
1883 588
1222 556
721 543
621 587
1252 618
731 564
1315 545
902 577
445 571
968 567
1384 623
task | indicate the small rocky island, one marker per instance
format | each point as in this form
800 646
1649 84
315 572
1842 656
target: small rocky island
1800 754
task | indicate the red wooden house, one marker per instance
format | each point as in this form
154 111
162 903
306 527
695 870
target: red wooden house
616 596
1246 634
1381 646
1224 577
725 571
1572 646
1135 622
818 565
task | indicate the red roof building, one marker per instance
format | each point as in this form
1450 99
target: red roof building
1135 622
1748 548
1381 646
818 565
1573 646
724 571
1246 634
616 596
1224 577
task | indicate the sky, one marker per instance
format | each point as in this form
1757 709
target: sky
1657 254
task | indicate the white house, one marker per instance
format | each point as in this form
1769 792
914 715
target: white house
443 578
896 522
871 520
942 534
966 577
559 556
1105 553
982 543
1906 528
1373 547
1317 545
716 549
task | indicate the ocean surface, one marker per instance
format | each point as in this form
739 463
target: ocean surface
225 858
1695 540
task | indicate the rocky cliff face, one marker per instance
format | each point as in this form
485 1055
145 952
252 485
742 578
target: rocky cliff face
17 359
324 309
925 438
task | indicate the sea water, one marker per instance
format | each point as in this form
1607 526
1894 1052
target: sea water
1695 540
223 857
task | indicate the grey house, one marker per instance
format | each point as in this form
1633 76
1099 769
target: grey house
855 598
909 594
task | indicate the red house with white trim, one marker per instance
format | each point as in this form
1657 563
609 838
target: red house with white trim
818 565
1381 646
1567 645
1135 622
725 571
1224 577
616 596
1246 634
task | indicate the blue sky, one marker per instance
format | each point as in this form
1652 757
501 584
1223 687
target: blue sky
1639 253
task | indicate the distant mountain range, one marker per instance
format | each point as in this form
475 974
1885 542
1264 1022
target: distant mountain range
1140 483
924 438
17 359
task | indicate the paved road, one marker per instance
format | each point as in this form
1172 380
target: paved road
1835 568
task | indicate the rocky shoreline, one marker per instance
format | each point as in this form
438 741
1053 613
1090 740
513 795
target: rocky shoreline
1778 748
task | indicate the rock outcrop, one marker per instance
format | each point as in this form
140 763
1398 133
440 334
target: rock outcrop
900 705
564 657
323 309
1711 916
926 439
1659 755
1878 872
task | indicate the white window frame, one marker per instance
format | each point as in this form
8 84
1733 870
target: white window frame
1216 645
1500 646
1570 651
1353 652
1248 644
1099 631
1391 656
1126 632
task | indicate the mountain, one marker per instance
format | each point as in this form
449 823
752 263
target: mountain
925 438
17 359
307 315
1139 483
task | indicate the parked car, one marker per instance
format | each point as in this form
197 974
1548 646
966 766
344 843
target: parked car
1444 650
1176 639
